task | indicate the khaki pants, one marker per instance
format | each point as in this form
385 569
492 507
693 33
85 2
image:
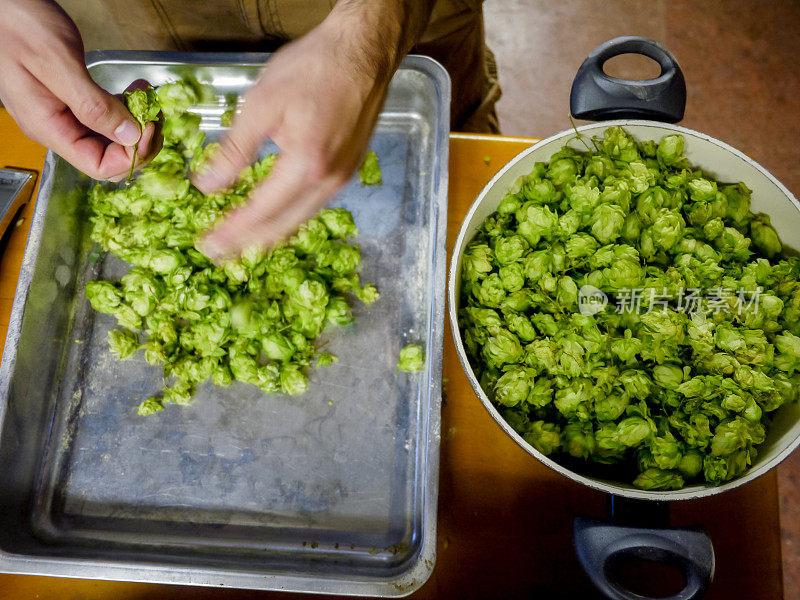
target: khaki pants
454 37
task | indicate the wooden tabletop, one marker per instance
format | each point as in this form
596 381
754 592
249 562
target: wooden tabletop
505 520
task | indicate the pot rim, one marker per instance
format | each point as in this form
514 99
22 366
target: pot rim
688 493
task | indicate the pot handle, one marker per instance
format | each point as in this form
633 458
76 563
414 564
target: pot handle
599 543
598 97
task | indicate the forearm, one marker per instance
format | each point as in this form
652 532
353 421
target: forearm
318 99
379 33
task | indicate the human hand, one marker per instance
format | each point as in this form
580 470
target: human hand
48 91
318 98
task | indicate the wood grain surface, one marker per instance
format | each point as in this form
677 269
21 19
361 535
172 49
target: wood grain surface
505 520
15 151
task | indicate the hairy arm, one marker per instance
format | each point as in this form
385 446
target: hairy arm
318 98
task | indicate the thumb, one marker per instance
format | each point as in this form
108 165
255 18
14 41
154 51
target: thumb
100 111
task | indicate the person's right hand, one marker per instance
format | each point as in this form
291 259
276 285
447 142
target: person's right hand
46 88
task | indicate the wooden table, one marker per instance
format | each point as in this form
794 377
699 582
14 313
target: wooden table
505 520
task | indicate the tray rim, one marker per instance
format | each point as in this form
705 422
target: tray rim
421 566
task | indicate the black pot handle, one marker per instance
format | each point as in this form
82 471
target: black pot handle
598 97
599 543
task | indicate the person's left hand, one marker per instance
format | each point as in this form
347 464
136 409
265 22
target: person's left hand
318 98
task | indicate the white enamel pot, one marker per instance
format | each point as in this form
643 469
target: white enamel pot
639 519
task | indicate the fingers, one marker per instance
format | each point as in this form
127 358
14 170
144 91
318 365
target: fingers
106 160
96 108
152 140
50 122
150 144
47 89
68 80
237 150
46 118
275 208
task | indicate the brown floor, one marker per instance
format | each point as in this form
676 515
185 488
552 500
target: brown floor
740 60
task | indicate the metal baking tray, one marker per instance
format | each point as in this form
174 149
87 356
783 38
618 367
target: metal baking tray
333 491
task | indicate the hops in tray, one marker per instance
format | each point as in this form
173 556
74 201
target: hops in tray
369 173
411 359
256 319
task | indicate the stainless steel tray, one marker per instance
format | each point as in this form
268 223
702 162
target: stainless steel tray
333 491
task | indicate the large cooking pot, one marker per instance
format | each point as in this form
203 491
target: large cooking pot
638 525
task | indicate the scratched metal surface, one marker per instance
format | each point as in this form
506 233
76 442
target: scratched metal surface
334 490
